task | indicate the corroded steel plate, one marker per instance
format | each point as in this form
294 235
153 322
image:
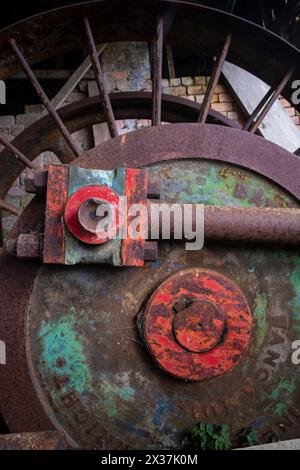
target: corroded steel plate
92 371
197 324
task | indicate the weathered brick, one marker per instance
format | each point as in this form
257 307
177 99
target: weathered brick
200 80
120 124
175 82
225 98
221 88
222 107
189 97
122 85
176 90
199 99
6 121
143 123
165 82
233 115
119 75
196 90
146 84
187 81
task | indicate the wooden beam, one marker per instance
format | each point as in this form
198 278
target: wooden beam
249 91
75 78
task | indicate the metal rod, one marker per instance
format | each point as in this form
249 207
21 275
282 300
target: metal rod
214 79
43 97
157 73
100 80
246 224
258 108
170 61
6 143
271 101
9 207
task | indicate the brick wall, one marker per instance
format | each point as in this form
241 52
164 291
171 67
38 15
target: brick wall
126 68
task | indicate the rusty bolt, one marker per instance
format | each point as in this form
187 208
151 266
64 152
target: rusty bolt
36 183
29 246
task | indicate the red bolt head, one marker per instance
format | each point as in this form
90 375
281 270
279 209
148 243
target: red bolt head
77 209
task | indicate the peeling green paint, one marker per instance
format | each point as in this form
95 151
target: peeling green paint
283 394
295 282
259 315
214 183
60 340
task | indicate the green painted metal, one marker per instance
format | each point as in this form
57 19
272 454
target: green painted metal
77 252
82 333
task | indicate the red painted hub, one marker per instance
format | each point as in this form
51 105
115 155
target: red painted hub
75 213
197 324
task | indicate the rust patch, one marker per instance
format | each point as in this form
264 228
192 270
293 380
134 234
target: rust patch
54 241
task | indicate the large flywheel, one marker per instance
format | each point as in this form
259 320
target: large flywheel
117 344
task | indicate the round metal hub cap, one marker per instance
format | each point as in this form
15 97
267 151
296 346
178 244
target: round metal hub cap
82 206
197 324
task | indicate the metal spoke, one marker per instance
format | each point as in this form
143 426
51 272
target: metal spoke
9 207
215 76
258 109
269 103
42 95
6 143
157 72
100 80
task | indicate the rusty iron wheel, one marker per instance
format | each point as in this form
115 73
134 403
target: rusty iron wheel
97 383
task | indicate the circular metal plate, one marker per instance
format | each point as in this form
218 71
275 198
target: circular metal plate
95 377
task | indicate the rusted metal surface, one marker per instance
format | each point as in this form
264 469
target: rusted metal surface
263 388
57 192
4 141
85 113
204 338
44 35
268 225
100 80
19 403
194 141
157 71
75 217
241 224
43 97
48 440
29 246
136 193
214 79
